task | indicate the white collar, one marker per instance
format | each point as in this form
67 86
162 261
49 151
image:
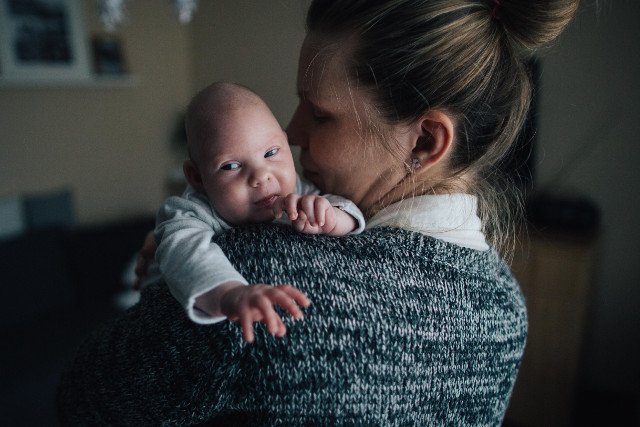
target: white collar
449 217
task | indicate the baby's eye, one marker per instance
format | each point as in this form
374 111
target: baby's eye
271 152
230 166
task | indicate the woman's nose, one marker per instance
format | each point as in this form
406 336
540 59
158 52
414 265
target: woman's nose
295 130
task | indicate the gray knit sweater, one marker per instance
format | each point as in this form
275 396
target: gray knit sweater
403 329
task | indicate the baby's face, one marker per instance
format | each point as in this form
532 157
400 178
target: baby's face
247 166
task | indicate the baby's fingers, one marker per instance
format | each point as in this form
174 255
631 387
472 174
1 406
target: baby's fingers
321 207
278 207
299 296
300 222
306 205
291 206
294 294
246 323
270 317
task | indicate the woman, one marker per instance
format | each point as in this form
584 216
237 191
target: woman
405 108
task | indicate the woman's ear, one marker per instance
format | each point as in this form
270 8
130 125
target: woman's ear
435 129
192 174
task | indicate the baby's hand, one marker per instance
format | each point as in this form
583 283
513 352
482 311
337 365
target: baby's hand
310 214
255 303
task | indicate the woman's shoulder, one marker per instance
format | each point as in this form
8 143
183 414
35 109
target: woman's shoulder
392 244
389 308
396 298
372 261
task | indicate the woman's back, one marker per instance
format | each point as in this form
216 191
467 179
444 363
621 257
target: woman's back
404 329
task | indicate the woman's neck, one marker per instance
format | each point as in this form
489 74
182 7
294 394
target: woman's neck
410 187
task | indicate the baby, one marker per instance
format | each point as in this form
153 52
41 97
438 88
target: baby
240 170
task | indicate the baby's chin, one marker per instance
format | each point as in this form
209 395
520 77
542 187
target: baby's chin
259 218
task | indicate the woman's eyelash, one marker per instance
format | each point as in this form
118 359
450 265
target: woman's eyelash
319 116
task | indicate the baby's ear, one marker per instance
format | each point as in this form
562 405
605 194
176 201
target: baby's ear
192 174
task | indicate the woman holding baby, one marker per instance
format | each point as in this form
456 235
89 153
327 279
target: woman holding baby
406 107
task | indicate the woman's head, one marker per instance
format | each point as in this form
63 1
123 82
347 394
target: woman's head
332 124
397 61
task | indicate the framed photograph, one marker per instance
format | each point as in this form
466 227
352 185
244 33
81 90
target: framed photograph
108 57
42 41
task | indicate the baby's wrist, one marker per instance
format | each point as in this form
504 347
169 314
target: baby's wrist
345 222
211 302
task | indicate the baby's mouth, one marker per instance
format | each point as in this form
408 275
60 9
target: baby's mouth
267 201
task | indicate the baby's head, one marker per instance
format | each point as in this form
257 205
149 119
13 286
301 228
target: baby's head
238 153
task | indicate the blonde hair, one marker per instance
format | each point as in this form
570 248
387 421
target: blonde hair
466 57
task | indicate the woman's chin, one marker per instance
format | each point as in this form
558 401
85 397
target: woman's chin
313 178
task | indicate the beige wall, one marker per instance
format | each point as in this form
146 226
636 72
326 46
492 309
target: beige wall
110 145
252 43
245 42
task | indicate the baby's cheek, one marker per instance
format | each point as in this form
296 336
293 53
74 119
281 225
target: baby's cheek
288 179
226 202
291 185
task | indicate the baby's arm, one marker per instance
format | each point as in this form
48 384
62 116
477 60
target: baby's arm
190 263
314 214
201 278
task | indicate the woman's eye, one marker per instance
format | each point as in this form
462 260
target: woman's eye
230 166
271 152
319 117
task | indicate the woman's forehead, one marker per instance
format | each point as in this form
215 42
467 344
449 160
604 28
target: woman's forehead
322 70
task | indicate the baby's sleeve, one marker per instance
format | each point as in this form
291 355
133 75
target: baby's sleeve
190 263
305 187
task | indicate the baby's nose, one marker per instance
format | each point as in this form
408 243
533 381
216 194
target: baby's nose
259 178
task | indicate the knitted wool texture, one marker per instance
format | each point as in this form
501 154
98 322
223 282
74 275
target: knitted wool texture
403 329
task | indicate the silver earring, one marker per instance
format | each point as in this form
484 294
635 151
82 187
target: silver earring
415 164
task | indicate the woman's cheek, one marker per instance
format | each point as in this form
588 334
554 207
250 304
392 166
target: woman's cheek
325 149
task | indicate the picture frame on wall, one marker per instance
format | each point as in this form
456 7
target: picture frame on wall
108 56
43 41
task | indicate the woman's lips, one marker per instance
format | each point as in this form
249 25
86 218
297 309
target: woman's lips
308 171
267 201
305 165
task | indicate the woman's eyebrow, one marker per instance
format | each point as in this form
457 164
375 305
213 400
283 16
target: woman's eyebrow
305 96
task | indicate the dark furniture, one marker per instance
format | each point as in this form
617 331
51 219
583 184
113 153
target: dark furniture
58 284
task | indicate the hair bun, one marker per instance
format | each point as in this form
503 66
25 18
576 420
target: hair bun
531 24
